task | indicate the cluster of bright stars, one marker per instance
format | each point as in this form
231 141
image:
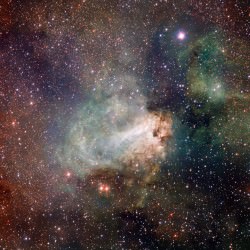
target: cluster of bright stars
104 188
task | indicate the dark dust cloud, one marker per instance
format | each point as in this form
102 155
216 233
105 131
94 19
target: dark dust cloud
124 124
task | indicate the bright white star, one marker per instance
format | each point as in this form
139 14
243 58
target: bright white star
181 35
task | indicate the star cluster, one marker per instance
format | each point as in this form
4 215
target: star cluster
124 124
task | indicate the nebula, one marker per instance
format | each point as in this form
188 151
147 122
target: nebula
115 132
124 124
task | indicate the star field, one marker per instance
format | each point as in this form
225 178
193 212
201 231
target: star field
124 124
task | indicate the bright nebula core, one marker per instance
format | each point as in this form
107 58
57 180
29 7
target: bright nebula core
124 124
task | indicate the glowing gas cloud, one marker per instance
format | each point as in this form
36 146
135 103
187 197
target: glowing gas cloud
114 132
